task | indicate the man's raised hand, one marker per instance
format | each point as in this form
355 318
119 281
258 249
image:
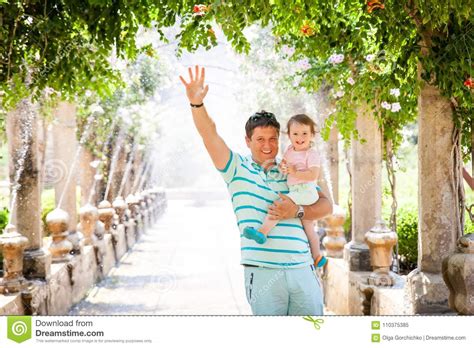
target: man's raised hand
195 89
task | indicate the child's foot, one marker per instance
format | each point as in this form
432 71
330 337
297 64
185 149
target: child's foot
320 261
256 235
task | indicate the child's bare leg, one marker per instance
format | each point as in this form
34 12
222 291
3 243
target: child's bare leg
313 238
319 259
267 225
260 235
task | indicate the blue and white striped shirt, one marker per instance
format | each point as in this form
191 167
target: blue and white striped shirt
252 191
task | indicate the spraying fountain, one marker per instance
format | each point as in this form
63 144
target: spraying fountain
122 207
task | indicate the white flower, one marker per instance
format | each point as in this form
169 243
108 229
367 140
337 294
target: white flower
88 93
351 81
339 94
287 50
336 58
96 108
386 106
396 107
395 92
296 81
98 177
370 57
303 64
94 164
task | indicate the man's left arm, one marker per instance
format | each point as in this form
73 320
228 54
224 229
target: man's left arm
285 208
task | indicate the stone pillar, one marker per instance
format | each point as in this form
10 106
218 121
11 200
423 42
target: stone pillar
65 147
86 176
366 189
134 173
89 215
58 223
437 201
334 240
23 162
118 173
12 244
333 152
381 241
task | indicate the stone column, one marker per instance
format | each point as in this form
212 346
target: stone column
117 174
65 147
26 214
333 154
86 176
437 201
366 189
134 173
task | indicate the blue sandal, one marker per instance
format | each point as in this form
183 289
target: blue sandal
256 235
321 261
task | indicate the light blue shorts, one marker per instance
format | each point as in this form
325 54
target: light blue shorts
284 291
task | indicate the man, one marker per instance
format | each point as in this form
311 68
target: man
280 277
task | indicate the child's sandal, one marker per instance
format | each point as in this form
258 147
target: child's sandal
321 261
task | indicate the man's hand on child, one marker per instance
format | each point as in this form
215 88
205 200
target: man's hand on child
282 209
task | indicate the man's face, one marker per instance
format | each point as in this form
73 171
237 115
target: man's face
264 145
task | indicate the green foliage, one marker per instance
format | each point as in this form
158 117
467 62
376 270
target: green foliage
66 46
407 231
3 219
47 204
468 226
436 34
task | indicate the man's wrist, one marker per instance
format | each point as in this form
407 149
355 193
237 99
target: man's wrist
299 212
198 105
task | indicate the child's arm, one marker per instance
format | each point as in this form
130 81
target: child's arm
310 174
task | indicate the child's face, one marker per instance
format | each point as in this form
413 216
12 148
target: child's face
300 136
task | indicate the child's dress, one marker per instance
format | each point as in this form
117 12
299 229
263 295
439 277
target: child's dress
302 192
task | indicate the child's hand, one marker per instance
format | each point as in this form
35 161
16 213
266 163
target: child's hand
286 168
283 167
291 169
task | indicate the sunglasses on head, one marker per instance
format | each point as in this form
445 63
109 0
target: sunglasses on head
262 114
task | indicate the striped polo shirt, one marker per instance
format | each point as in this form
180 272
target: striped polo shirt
252 191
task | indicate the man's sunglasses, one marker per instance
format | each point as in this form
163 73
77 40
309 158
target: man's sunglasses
262 114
